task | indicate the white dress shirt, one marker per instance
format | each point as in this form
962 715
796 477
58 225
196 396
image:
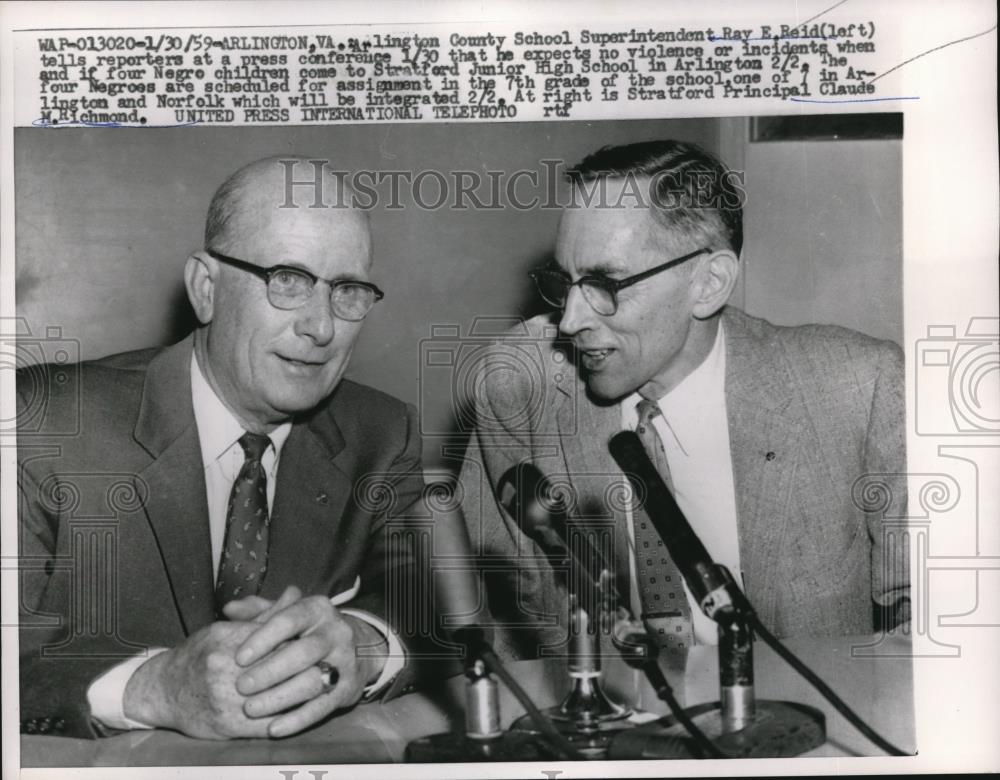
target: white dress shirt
694 429
219 433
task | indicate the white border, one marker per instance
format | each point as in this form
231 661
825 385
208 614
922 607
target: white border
951 250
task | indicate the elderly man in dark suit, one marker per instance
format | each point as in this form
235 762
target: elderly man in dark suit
767 435
249 589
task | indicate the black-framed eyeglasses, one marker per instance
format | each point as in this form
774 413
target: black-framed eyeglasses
289 288
600 292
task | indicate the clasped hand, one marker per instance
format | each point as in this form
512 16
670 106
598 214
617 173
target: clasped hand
256 675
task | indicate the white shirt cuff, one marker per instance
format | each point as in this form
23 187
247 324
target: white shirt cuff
395 660
106 694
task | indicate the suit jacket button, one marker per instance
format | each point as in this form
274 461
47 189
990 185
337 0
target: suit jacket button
29 727
59 725
44 726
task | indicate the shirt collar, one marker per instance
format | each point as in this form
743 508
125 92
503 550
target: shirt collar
684 407
218 428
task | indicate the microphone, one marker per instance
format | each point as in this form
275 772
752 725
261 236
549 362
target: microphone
711 585
586 715
744 725
456 586
542 515
526 495
456 589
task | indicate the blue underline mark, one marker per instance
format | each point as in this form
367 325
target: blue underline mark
852 100
85 123
713 38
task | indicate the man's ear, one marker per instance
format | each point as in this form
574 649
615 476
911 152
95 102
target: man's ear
200 274
715 280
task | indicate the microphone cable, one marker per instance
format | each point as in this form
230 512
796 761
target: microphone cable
558 741
665 693
702 574
838 704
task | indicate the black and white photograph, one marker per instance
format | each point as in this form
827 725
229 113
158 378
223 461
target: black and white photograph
611 407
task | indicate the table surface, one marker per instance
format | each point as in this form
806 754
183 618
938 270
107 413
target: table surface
872 674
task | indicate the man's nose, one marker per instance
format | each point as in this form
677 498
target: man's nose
577 314
315 318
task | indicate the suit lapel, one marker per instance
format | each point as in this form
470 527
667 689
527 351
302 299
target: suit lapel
311 496
765 437
585 429
177 508
312 490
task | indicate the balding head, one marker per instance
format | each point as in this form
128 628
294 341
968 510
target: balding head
265 189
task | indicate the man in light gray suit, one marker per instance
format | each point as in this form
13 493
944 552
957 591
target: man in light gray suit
774 440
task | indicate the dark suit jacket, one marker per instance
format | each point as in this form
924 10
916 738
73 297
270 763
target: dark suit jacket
816 426
114 537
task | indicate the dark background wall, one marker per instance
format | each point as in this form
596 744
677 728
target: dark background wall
106 218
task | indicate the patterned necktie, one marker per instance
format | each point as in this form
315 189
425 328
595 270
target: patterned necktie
665 608
244 552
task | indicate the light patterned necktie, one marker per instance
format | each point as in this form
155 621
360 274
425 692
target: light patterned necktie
244 552
665 608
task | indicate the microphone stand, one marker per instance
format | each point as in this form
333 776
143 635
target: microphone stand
586 716
483 738
586 705
586 711
456 589
738 725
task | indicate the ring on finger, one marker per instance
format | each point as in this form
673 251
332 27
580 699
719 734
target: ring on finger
328 676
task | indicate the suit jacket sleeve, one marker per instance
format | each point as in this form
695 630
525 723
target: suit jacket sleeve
885 460
53 682
523 602
392 574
